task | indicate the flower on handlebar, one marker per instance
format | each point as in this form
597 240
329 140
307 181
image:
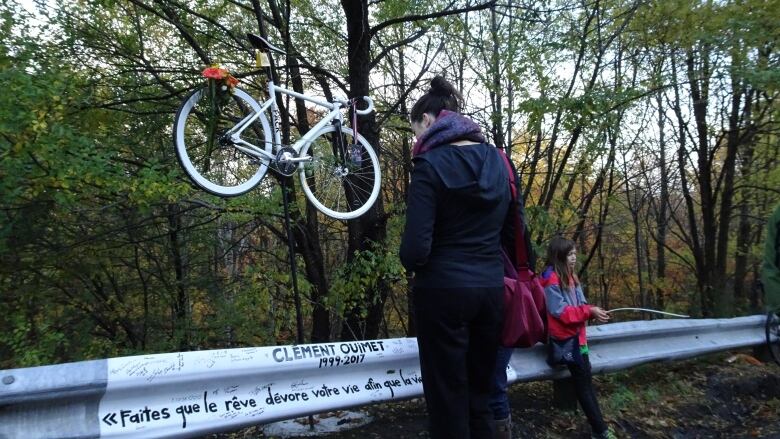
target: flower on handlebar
217 99
221 76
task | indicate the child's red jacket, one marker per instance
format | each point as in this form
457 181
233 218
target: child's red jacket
567 310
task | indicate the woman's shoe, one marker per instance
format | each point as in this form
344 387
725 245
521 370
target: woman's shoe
503 428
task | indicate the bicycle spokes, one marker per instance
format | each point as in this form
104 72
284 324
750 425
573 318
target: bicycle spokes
225 144
342 172
205 146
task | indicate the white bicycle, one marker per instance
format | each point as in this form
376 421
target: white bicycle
226 144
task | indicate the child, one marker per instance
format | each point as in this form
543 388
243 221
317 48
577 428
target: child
567 313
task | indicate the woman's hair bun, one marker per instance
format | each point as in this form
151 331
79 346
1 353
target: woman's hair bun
441 87
441 96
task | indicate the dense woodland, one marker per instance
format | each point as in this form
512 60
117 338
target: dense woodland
648 132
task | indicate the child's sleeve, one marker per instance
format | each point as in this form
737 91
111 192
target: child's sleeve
581 295
561 310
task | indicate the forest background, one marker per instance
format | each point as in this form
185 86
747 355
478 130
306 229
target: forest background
645 131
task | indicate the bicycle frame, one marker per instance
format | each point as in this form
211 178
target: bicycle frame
235 132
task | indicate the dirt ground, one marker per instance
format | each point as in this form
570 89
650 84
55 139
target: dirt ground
729 395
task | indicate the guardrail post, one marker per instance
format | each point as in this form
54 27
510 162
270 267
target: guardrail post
761 352
563 390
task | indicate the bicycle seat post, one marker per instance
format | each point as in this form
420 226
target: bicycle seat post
270 69
266 48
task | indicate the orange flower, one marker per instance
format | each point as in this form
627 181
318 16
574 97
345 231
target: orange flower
215 72
222 76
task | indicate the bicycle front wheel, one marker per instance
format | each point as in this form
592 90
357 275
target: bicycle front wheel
205 149
342 179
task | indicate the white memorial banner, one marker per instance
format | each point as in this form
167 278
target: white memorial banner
200 392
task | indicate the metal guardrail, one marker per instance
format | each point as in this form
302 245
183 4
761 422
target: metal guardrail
618 346
196 393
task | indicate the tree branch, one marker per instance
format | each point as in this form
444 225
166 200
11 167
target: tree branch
388 49
418 17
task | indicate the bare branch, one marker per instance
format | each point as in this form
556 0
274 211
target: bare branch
419 17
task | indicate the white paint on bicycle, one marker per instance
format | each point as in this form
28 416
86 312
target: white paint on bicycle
186 161
362 188
375 171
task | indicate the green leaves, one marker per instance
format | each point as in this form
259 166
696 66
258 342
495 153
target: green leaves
97 221
354 279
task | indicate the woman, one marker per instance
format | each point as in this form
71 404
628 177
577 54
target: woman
456 206
567 314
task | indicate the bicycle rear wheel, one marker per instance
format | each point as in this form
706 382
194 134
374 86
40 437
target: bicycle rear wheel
206 153
343 177
773 334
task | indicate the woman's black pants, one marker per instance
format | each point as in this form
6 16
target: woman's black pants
458 332
583 385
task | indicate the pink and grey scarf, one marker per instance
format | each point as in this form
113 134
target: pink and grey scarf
448 127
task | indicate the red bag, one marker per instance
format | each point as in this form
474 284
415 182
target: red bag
525 322
525 311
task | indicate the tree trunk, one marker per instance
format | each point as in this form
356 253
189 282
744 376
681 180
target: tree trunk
371 227
744 229
548 187
698 78
406 157
682 156
724 295
496 95
635 207
181 303
306 229
661 219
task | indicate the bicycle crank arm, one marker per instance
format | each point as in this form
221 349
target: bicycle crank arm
296 159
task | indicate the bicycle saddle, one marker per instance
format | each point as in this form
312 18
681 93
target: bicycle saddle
260 43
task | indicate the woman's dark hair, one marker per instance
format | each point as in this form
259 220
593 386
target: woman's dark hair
557 253
441 96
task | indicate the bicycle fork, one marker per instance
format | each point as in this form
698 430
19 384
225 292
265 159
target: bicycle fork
340 150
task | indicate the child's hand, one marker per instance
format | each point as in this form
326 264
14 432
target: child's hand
599 314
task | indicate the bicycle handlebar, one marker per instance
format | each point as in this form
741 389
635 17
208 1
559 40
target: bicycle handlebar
368 109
